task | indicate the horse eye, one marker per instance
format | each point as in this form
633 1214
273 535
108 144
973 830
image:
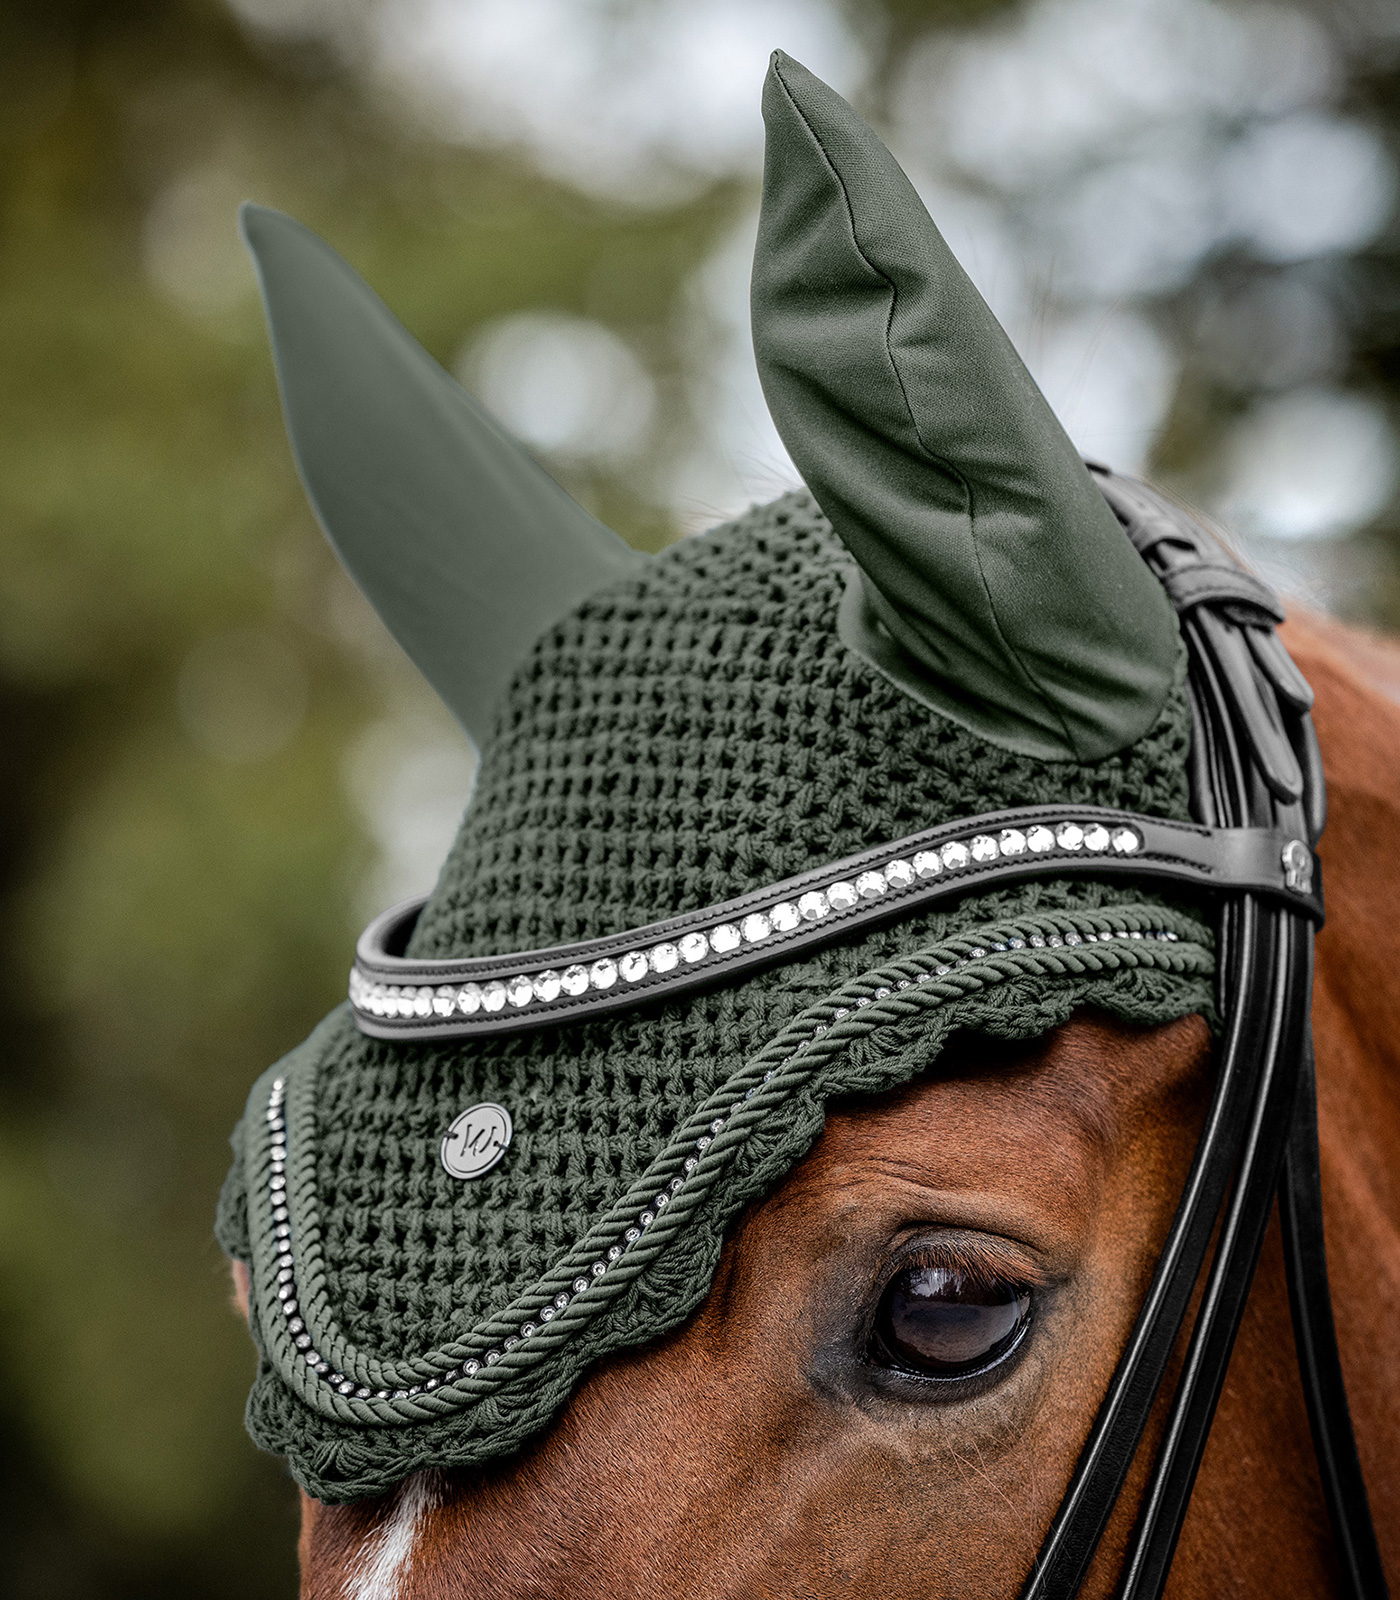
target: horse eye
939 1322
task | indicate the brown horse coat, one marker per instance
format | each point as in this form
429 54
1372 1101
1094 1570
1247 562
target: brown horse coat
740 1457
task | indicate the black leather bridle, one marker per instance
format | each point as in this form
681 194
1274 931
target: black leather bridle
1259 804
1255 763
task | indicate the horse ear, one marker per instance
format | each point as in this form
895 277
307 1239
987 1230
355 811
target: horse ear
997 584
465 547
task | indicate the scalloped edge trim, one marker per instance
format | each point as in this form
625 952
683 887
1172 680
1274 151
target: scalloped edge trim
358 1387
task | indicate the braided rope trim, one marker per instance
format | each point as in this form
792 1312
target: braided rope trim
329 1373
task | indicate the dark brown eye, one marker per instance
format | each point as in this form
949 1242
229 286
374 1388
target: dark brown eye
939 1321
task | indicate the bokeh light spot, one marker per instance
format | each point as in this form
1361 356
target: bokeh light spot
566 385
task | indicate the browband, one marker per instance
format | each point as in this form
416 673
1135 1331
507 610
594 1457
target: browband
399 998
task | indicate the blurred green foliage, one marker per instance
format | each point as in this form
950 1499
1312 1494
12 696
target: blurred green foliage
180 906
175 920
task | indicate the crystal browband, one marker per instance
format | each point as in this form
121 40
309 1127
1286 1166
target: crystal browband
398 998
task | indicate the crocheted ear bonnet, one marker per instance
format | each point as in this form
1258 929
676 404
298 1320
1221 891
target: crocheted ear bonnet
732 780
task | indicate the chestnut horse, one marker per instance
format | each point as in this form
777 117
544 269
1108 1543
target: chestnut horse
755 1453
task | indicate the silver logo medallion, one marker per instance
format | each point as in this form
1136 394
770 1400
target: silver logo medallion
477 1140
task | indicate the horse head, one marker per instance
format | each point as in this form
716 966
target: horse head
778 1157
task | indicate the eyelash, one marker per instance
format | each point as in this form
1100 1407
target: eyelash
981 1264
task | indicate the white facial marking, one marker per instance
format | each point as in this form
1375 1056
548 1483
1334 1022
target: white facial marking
383 1562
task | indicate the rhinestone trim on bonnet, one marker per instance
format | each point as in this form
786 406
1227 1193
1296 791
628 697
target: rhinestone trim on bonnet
394 997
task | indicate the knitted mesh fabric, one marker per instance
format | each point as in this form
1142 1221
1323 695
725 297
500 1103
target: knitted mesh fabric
691 734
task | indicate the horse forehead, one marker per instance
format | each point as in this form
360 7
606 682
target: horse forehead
1025 1119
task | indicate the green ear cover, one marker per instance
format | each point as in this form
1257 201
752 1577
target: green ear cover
995 574
465 547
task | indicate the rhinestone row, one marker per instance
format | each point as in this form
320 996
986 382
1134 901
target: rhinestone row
691 949
286 1277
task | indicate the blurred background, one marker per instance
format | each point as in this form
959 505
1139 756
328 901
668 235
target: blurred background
216 765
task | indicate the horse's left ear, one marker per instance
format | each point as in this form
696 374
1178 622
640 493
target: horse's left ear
996 583
465 547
